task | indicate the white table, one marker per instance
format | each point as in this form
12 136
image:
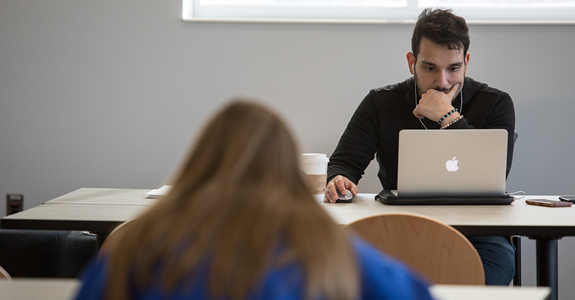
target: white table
515 219
87 209
66 289
38 289
468 292
99 196
101 210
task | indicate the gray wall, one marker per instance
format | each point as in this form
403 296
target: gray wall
110 93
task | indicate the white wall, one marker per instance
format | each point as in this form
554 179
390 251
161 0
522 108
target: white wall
109 93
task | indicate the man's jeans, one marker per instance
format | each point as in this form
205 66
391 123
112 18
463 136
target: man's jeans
498 256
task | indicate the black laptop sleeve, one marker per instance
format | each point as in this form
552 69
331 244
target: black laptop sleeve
386 197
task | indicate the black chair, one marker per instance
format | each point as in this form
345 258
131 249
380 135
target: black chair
45 254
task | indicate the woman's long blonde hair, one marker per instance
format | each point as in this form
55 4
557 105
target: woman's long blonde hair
239 198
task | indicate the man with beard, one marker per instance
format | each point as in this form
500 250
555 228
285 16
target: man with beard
438 96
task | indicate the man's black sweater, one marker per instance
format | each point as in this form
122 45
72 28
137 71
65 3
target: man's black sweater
375 125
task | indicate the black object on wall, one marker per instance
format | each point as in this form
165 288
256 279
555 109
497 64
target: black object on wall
14 203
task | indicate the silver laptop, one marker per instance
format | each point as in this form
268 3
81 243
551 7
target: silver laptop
452 163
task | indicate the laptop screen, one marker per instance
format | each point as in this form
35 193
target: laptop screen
455 162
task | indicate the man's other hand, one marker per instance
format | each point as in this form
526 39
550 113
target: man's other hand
338 183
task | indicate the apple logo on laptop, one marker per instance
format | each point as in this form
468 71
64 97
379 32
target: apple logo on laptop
451 165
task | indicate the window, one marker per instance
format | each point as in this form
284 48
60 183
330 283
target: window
391 11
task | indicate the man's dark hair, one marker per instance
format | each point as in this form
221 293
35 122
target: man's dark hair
442 27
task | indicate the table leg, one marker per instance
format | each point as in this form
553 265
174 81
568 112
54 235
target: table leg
547 271
517 243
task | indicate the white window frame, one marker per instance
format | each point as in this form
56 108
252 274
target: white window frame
192 11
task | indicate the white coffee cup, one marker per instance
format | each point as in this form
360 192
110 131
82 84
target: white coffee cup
314 165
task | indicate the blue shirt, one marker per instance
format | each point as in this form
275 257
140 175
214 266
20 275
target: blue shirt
381 278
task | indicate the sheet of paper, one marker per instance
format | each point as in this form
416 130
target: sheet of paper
157 193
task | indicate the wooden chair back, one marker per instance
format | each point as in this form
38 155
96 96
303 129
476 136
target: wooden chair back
435 249
4 275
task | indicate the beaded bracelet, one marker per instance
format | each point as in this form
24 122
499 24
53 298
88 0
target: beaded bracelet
447 115
452 122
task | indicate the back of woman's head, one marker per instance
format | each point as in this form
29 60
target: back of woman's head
238 207
244 146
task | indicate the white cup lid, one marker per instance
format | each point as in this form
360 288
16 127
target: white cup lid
314 157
